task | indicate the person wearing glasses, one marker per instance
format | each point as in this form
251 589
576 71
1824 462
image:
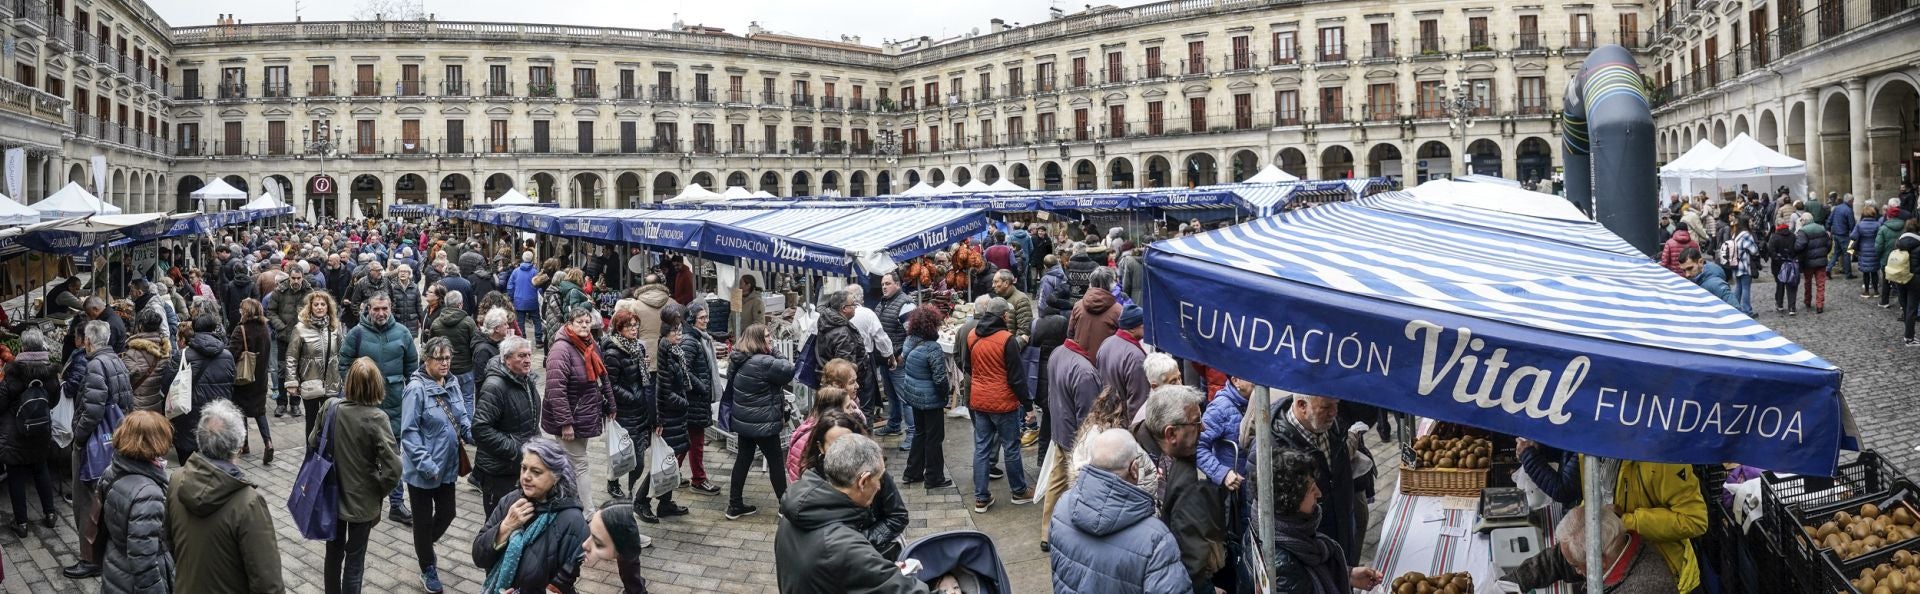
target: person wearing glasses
1191 504
435 426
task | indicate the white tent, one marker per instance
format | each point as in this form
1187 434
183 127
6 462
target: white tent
947 187
737 193
218 189
693 194
1498 197
975 185
1003 185
1676 177
14 213
1743 161
1271 175
512 196
72 201
920 189
763 194
265 201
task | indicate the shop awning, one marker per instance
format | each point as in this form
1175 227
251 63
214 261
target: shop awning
1537 332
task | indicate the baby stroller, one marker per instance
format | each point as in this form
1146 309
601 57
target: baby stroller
966 555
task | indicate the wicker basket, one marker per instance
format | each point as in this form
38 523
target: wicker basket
1443 482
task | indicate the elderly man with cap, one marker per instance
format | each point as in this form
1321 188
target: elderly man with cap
1120 362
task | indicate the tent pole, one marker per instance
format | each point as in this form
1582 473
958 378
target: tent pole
1262 410
1590 484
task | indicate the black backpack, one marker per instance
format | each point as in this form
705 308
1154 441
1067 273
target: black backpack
34 418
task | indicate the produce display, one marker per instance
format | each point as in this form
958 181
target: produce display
1864 530
1465 452
1446 583
1900 575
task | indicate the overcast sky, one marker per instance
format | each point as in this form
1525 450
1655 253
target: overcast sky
873 21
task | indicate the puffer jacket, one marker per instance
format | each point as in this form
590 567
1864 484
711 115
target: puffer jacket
434 421
550 560
406 305
150 366
310 356
133 523
1106 540
454 324
1054 294
1094 319
1890 230
391 347
652 299
506 415
1670 252
252 337
570 294
671 383
1814 245
818 548
837 339
212 368
221 531
106 381
697 347
892 312
1022 312
1866 251
526 297
22 372
572 400
1078 272
283 310
1219 432
759 386
633 400
483 349
924 384
1662 502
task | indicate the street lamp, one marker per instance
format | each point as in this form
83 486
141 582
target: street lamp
321 145
888 146
1460 106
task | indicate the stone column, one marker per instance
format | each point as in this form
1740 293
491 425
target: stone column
1857 138
1815 171
1409 169
297 198
1509 159
387 197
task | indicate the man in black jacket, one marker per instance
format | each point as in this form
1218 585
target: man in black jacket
1306 423
837 338
506 416
816 548
1190 504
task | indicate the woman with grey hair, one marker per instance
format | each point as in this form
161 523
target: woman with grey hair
532 539
31 374
1307 561
435 426
495 325
406 298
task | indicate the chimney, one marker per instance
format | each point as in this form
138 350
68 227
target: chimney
996 26
854 39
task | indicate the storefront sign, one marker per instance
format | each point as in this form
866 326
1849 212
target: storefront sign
320 184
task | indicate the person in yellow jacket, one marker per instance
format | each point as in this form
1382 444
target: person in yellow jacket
1663 503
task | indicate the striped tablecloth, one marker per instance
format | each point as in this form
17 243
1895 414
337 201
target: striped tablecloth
1421 534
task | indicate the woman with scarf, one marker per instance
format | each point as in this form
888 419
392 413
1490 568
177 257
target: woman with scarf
578 397
697 348
613 535
312 355
672 382
1307 561
531 542
634 409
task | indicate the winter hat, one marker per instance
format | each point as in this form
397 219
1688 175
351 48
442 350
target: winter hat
1132 317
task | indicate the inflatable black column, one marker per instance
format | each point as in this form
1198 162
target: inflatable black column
1608 132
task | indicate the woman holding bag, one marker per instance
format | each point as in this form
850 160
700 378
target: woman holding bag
758 389
311 365
626 358
252 347
368 467
434 428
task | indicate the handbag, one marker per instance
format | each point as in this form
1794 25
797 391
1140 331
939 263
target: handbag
243 372
466 464
99 448
180 390
315 501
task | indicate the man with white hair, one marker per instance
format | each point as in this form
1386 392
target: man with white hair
1189 503
879 349
453 323
817 548
1105 536
1632 566
105 384
221 533
1305 423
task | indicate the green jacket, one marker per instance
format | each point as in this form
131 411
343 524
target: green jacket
1889 231
572 293
363 457
221 532
391 346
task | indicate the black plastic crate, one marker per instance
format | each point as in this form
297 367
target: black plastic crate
1902 496
1867 476
1839 574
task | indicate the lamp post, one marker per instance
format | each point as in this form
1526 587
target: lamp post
888 147
1460 106
321 145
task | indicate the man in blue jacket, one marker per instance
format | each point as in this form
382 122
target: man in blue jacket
1708 275
1840 224
1106 538
526 298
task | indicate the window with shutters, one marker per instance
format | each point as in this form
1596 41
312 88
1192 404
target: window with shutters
540 82
455 81
1197 114
276 81
1242 57
410 136
1333 44
1080 71
1333 109
629 137
365 143
1380 102
1242 111
497 136
1196 57
1155 68
365 84
1533 95
542 136
456 136
584 135
586 84
1117 121
410 83
277 137
233 142
1429 41
1080 124
1286 48
737 138
1156 118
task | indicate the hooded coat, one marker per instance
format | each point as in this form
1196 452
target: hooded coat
283 309
454 324
759 393
1094 319
506 415
222 534
652 299
1814 246
1676 245
1219 432
1053 295
22 372
923 375
150 366
1866 251
837 339
571 399
133 523
212 368
818 549
391 347
1106 540
526 297
550 559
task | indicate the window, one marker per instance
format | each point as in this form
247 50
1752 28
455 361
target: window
933 139
1379 41
772 136
629 137
455 83
189 139
364 141
497 136
1533 95
1156 118
930 94
1630 29
702 93
1046 131
985 90
584 134
497 83
1043 83
831 138
1116 72
737 89
666 137
1019 84
1429 36
628 89
1155 68
233 142
1080 71
1529 32
277 137
986 132
1477 39
803 139
190 82
1286 107
1197 114
1242 59
542 136
1080 124
277 82
1196 57
456 136
1580 34
954 90
585 84
540 81
1431 96
365 84
802 97
1380 100
410 83
663 87
1016 130
1286 49
1333 44
959 136
1480 90
410 136
909 141
1242 111
767 96
1332 110
233 82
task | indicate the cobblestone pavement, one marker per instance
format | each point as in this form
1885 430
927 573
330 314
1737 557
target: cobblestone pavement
706 553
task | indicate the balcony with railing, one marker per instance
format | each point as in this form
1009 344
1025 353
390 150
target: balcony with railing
498 87
85 47
455 88
105 54
1430 109
276 90
1388 111
1376 52
189 93
1285 57
410 88
861 104
1045 85
1152 70
322 88
1531 105
29 101
1529 44
1078 79
1478 44
366 88
705 95
799 100
1430 48
1332 115
769 98
233 91
30 16
1193 67
1239 61
123 67
1579 42
585 90
1289 117
543 89
60 38
1330 52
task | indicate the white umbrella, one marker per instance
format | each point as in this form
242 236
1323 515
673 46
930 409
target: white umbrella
219 189
14 213
1271 175
72 201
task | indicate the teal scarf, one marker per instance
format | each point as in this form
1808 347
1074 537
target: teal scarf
503 573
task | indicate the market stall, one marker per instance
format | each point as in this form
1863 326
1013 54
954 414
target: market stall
1497 319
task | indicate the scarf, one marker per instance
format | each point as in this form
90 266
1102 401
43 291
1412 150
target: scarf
1321 441
1297 535
595 367
509 567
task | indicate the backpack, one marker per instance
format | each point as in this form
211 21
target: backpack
34 417
1900 265
1789 272
553 311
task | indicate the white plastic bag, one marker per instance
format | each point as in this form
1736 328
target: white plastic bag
62 415
663 470
180 392
621 456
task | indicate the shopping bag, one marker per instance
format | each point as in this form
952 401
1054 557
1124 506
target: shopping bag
621 456
99 447
180 391
663 470
62 415
315 501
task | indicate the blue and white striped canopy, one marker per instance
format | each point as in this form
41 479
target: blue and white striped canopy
1547 329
